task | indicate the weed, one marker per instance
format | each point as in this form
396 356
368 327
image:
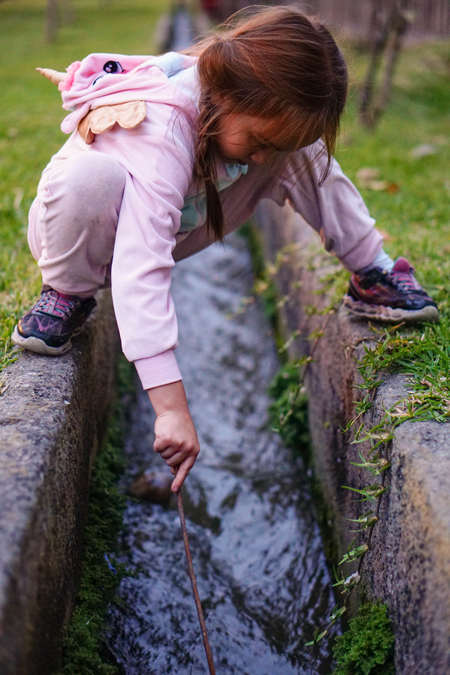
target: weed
264 286
289 411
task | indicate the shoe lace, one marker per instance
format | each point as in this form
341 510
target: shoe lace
51 302
404 281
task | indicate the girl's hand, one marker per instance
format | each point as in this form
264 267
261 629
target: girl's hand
175 436
177 443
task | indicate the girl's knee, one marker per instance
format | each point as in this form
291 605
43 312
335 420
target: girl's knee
94 177
81 199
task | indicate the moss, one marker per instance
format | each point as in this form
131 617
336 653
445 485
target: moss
83 648
367 647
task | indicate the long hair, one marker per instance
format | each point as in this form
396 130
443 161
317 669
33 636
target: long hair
276 63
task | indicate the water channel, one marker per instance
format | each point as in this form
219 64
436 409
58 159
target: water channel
256 545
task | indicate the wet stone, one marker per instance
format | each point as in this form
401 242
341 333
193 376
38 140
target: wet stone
151 486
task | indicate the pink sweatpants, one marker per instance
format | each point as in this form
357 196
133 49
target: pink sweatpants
73 220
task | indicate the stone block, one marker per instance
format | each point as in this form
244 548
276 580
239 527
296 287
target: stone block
52 415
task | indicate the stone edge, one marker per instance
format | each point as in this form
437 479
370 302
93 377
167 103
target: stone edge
53 412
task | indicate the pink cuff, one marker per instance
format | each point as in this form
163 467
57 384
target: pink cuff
155 371
363 254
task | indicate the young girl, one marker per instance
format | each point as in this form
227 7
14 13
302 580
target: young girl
168 154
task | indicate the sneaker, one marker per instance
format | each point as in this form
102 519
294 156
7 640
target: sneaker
392 297
49 327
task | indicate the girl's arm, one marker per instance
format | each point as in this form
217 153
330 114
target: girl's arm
335 210
175 436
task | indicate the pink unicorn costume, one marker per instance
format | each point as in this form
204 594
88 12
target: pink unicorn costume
122 209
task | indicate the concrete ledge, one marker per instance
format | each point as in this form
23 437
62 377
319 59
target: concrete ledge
52 415
409 564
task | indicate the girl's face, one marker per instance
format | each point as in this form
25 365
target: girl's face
247 138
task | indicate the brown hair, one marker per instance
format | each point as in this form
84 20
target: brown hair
276 63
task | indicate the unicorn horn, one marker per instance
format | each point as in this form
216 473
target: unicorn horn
52 75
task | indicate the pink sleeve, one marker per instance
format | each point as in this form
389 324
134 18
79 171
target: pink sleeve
335 210
159 170
155 371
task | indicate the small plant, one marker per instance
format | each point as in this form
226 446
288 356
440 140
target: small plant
289 410
367 647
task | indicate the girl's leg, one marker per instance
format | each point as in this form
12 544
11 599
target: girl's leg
73 222
337 212
72 229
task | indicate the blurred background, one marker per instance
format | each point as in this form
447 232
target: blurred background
395 141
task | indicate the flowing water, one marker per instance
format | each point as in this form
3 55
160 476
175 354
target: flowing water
256 546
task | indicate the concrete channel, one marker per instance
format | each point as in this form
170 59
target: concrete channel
53 411
409 564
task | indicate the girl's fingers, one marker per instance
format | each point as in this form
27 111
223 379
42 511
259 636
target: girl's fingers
166 453
181 473
175 460
166 448
174 455
160 446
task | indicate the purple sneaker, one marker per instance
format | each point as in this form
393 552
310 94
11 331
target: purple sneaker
392 297
49 327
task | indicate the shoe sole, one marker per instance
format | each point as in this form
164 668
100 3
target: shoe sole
34 344
428 314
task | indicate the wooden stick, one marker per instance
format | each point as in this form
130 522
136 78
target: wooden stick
194 585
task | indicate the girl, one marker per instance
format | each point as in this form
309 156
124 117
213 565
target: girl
168 154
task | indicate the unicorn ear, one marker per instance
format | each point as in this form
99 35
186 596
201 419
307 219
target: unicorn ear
52 75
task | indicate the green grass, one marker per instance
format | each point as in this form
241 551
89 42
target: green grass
416 218
415 215
31 113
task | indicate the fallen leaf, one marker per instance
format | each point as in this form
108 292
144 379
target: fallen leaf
385 235
367 175
423 150
392 188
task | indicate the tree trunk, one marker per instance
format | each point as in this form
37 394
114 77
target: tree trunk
399 24
379 33
390 20
51 27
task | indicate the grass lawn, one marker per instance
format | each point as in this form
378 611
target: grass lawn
415 212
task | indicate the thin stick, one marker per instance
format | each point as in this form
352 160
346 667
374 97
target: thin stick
194 585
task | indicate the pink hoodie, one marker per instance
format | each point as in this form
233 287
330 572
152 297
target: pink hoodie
161 205
158 156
